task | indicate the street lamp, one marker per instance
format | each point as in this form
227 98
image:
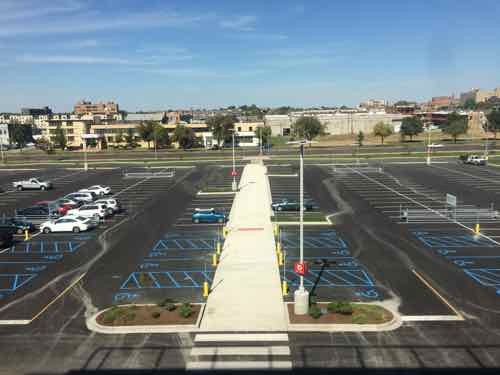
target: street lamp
1 152
428 144
233 173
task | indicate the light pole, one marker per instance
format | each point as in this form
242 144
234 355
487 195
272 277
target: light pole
154 136
260 142
234 186
1 152
85 163
301 295
486 143
428 144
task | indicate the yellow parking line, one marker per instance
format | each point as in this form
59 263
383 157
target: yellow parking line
457 313
57 297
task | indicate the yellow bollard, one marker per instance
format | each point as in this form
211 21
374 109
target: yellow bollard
276 229
205 289
280 258
214 260
477 228
218 248
284 288
26 235
225 231
278 247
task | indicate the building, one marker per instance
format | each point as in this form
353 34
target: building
72 127
151 116
373 104
4 134
441 101
478 95
36 111
86 107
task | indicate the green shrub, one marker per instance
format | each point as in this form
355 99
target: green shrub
113 314
186 310
156 314
345 309
315 312
170 306
340 307
359 319
333 306
129 317
165 302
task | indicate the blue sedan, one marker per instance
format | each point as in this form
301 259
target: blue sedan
208 216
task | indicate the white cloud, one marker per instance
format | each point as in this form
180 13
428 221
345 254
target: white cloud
80 60
18 10
240 23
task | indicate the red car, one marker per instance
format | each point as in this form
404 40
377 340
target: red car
61 209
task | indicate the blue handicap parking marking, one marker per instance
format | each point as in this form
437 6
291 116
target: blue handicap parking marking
185 244
458 240
369 293
167 279
485 276
121 297
12 282
45 247
356 277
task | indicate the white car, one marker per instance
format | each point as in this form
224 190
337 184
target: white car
97 189
82 197
93 210
112 203
67 224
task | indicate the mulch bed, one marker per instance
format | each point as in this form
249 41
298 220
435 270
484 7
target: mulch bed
334 318
143 315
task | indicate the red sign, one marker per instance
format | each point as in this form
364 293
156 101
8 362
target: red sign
300 268
234 173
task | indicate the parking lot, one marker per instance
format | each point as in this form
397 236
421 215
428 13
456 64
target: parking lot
47 263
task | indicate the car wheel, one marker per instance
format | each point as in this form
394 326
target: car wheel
196 221
46 230
110 211
20 188
220 220
43 188
280 208
76 230
19 231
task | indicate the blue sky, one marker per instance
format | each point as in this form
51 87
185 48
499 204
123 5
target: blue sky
163 54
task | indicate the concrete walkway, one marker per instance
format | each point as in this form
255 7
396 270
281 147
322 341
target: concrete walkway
246 291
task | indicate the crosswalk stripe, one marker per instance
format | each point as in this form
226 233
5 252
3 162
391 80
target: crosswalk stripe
218 365
241 350
209 337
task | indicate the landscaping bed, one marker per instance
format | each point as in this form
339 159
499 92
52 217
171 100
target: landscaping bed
293 217
144 315
341 313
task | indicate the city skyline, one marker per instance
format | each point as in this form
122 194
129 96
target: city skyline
150 55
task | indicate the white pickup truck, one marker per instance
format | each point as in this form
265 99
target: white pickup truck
32 184
475 160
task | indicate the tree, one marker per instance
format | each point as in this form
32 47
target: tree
457 125
470 104
184 136
411 126
360 137
263 133
382 130
130 138
119 138
493 124
160 136
308 127
20 134
60 137
221 127
146 131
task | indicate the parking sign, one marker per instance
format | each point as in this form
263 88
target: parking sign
234 173
300 268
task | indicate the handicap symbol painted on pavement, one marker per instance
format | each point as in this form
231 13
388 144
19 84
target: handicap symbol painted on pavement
124 296
341 252
35 268
149 265
446 252
54 257
157 254
462 263
371 293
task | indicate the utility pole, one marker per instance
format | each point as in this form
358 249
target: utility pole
301 295
234 186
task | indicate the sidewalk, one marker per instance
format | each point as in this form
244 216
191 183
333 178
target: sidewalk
246 291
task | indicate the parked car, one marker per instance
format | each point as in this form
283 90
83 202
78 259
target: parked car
473 159
97 189
61 209
36 214
93 210
69 202
81 197
291 205
210 215
6 236
74 224
19 226
112 204
32 184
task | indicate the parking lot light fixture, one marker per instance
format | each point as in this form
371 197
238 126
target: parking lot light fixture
234 185
428 144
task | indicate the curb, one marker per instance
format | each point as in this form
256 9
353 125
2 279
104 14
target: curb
216 192
392 325
93 326
306 223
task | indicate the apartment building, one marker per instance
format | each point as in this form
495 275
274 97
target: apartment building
74 128
4 134
479 96
101 108
36 111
